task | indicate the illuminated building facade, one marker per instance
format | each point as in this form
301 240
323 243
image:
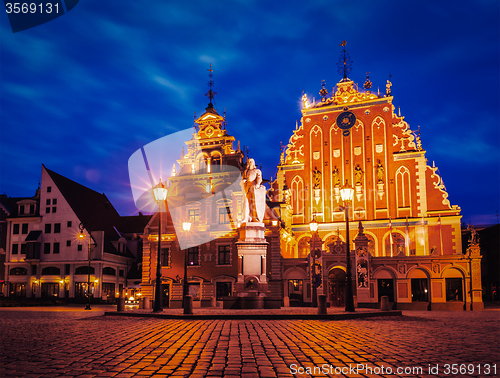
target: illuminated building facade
410 248
208 168
45 258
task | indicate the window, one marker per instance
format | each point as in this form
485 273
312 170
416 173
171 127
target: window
395 245
224 215
24 229
193 256
66 269
15 229
15 249
84 270
48 228
53 209
419 292
223 289
56 248
453 289
108 289
47 202
51 271
57 228
109 271
224 255
33 270
165 257
24 248
46 248
54 201
68 243
21 209
49 189
18 271
47 210
194 216
69 224
80 247
32 209
121 273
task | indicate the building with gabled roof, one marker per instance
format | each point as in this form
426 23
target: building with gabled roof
45 257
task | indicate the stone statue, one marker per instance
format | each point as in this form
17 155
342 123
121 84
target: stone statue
380 173
255 193
317 178
474 237
358 175
336 177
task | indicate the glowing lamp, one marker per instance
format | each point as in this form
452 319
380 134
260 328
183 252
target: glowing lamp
347 192
160 192
313 226
186 226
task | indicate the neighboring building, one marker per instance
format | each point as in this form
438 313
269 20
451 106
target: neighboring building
414 247
45 256
205 171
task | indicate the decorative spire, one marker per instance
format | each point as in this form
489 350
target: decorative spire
323 92
368 84
210 94
345 63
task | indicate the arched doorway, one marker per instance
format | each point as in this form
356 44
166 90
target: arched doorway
385 284
337 285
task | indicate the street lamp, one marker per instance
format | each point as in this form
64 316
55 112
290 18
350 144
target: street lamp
160 193
347 193
186 226
313 226
81 235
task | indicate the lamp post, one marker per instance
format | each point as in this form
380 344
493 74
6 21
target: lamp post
347 193
160 193
82 236
313 226
186 226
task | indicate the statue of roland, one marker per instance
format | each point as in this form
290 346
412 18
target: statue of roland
255 193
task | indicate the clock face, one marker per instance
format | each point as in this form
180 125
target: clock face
209 131
346 120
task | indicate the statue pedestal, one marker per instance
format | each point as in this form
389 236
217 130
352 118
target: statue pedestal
252 253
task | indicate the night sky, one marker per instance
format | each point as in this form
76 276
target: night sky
82 93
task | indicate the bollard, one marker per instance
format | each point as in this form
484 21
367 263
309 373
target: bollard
213 302
120 304
147 303
384 303
188 305
322 304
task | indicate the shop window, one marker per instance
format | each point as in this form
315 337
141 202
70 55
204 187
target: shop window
419 290
108 289
50 289
454 289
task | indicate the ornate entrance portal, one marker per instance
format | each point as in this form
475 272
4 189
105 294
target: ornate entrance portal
337 286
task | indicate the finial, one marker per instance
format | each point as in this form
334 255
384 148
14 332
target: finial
210 94
368 84
399 111
323 92
345 63
296 125
238 148
224 123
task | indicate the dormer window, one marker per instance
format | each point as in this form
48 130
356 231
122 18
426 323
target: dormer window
21 209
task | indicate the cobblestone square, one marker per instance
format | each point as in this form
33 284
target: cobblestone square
70 342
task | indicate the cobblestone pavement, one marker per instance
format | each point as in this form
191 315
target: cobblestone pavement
70 342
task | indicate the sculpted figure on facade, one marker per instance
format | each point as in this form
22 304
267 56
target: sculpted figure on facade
380 173
358 175
336 177
316 178
255 193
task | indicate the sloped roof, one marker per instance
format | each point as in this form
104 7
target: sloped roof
134 224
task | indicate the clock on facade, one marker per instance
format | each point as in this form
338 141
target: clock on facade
346 120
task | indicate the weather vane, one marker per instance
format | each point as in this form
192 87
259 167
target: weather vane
368 84
210 94
323 92
345 63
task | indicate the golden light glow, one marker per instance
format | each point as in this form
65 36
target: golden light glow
160 192
186 226
347 192
313 226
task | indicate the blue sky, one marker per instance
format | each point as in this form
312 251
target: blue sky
82 93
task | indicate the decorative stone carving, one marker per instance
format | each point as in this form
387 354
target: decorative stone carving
358 175
255 193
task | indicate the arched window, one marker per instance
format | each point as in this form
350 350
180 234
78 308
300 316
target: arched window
394 244
84 270
19 271
109 271
403 187
303 247
51 271
215 163
297 195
